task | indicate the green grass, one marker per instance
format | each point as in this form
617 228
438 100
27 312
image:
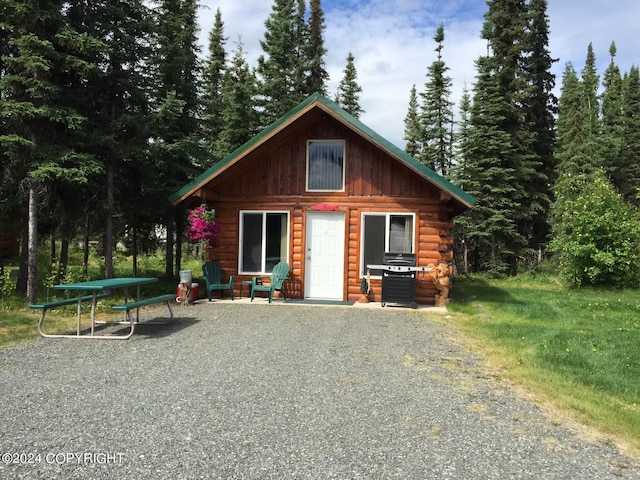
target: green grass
19 323
576 349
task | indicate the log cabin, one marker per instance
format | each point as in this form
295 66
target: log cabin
321 191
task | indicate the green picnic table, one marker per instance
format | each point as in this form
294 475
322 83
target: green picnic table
92 291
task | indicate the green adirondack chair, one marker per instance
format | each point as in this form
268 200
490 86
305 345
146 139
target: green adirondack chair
213 279
278 276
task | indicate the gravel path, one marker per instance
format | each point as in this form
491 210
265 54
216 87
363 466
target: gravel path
237 391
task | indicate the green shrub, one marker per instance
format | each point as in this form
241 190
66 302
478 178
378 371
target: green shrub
596 233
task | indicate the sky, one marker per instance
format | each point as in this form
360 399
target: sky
392 42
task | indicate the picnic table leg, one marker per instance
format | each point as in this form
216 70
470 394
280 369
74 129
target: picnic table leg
94 301
79 305
137 309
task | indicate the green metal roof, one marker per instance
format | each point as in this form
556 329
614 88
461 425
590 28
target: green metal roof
320 101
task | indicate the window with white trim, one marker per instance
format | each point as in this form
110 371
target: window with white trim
385 232
325 165
264 240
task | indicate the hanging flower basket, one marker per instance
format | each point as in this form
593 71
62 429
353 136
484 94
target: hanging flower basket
202 225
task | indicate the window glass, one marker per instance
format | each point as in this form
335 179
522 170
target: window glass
374 241
251 260
325 166
263 241
385 233
400 234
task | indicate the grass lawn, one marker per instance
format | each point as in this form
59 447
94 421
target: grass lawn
578 350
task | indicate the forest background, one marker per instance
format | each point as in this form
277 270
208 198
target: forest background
107 108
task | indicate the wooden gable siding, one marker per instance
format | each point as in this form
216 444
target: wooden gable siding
272 177
278 168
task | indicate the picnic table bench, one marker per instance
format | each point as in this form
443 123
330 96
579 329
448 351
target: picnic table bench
61 303
127 307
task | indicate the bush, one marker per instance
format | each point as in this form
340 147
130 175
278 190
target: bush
596 233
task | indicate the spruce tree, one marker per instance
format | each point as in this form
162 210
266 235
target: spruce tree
612 137
540 107
175 150
317 75
348 94
436 117
239 117
460 177
500 154
630 152
491 229
590 83
116 105
213 75
279 68
412 131
573 154
38 122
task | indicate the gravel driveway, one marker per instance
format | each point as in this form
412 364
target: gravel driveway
242 390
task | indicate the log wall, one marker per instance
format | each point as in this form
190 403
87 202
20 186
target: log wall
273 177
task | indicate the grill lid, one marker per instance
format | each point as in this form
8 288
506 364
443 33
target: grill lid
399 259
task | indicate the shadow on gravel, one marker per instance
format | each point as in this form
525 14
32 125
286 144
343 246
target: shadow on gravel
160 330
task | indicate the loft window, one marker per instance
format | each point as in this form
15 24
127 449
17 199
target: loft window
385 232
264 240
325 165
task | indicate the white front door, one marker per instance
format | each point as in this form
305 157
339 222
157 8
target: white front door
324 255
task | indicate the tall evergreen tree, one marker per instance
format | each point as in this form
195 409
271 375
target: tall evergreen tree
348 94
213 75
459 176
490 228
436 117
38 123
500 152
279 68
412 131
540 107
318 74
590 84
572 152
175 148
630 152
612 137
239 117
116 104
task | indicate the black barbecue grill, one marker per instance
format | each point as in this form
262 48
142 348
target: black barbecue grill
398 272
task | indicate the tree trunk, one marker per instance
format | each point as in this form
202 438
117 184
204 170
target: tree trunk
179 229
64 258
168 266
21 284
32 246
52 249
134 246
85 244
108 226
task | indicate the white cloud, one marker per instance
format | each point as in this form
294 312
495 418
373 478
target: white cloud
393 46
